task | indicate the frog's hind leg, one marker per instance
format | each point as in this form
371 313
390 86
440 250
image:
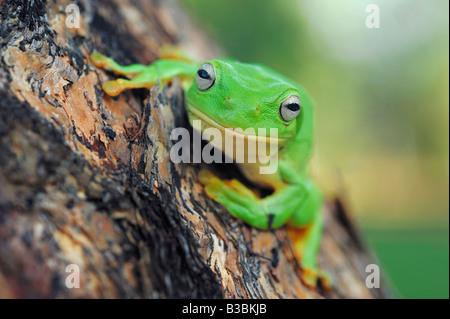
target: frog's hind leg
101 61
307 240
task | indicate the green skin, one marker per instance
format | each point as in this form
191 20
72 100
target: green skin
248 96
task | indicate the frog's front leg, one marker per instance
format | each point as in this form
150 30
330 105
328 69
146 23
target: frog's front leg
101 61
296 204
143 76
265 213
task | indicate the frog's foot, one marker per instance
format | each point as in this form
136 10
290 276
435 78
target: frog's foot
228 193
240 201
215 184
114 88
311 275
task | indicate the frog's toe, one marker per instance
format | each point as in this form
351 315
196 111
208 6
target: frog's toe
99 60
215 188
311 276
213 185
219 190
205 176
241 188
214 192
112 88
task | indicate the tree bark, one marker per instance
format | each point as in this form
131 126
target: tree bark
86 179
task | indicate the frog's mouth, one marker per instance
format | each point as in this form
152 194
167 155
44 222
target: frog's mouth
206 121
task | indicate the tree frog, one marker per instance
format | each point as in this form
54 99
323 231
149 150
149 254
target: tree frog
225 93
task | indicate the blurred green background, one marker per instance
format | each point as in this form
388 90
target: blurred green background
382 113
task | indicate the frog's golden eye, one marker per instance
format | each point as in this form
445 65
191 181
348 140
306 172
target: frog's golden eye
290 108
205 77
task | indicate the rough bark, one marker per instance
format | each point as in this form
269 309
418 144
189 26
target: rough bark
86 179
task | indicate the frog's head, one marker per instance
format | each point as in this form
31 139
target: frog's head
231 94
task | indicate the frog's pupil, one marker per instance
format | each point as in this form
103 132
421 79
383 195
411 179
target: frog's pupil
203 74
294 107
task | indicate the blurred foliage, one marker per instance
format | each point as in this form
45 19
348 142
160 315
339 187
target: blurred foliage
415 259
382 113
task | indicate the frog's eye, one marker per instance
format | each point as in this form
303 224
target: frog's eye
205 77
290 108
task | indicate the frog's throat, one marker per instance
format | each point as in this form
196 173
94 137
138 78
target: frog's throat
199 115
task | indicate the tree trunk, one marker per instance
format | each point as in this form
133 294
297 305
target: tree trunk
86 179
